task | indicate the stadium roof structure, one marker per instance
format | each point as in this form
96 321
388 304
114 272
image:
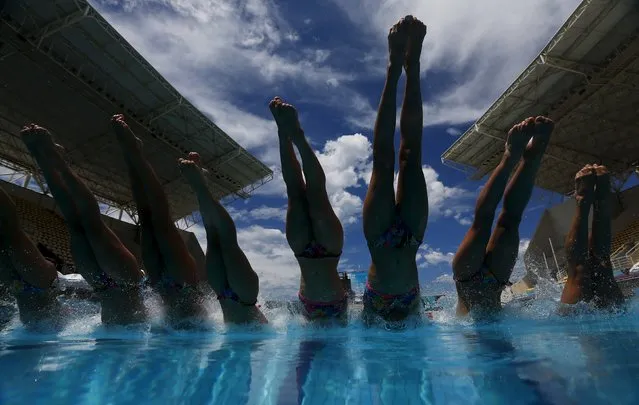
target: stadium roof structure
587 80
63 66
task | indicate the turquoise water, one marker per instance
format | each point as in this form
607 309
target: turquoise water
531 356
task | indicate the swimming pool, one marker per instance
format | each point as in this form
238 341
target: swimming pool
530 357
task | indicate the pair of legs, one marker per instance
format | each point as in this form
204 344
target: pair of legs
394 224
313 231
23 270
229 272
590 276
99 256
170 266
485 259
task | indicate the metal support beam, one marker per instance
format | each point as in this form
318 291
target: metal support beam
566 65
227 157
57 25
163 110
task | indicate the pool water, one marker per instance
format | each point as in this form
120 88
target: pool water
531 356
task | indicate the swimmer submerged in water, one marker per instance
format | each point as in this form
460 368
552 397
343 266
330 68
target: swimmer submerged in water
24 272
394 224
229 272
313 231
171 268
99 255
590 276
484 261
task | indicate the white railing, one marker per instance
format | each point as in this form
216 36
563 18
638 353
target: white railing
623 259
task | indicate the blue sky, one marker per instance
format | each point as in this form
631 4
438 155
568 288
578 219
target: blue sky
230 57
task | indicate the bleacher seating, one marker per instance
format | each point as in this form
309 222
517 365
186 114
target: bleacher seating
47 227
630 235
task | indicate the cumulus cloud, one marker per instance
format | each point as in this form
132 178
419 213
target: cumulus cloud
345 161
428 256
484 50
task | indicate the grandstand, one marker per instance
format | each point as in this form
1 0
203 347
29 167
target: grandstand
63 66
587 80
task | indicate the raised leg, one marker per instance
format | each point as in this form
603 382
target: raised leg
151 254
380 205
241 277
23 256
299 232
501 253
578 286
471 253
605 290
81 210
179 263
412 198
325 227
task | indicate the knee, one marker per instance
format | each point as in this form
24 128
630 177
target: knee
508 221
409 156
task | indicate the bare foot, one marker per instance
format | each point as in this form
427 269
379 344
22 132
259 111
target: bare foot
518 137
585 180
285 115
34 136
190 167
398 40
123 131
541 135
416 34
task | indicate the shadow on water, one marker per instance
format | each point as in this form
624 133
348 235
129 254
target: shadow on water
318 374
502 373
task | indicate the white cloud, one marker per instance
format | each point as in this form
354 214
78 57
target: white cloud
453 131
272 259
345 160
428 256
444 279
212 49
484 50
262 213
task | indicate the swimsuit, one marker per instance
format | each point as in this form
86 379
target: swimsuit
316 309
20 286
398 235
231 295
316 251
385 304
485 277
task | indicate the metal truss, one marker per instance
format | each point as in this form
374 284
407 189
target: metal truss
594 111
58 49
186 222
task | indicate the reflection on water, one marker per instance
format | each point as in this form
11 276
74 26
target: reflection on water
530 357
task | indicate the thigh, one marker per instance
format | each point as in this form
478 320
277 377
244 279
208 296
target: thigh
83 258
502 251
471 253
379 206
